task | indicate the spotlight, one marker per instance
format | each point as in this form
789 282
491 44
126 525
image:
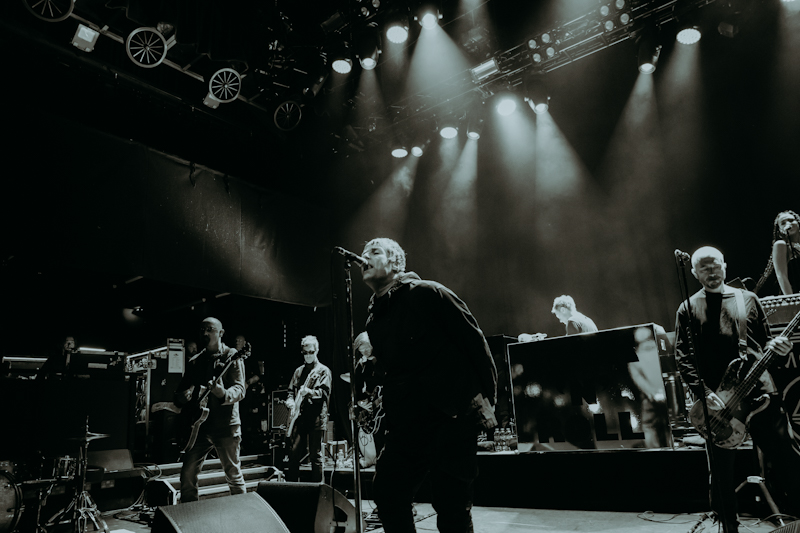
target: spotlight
417 151
368 47
334 23
400 152
689 35
649 51
484 70
428 16
319 74
85 38
448 132
506 106
342 65
475 124
536 94
397 34
397 26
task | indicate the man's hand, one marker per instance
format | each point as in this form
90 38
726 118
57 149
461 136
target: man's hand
217 389
715 401
305 391
485 411
780 345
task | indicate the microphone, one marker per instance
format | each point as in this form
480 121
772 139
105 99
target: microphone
682 256
350 256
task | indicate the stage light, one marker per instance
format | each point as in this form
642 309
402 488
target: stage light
397 34
484 70
399 152
417 151
649 51
506 106
448 132
368 47
342 65
85 38
689 35
475 125
536 94
428 16
210 101
319 74
334 23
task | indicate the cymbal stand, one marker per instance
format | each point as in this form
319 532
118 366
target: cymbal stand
82 508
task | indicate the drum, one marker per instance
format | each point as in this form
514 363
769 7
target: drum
64 468
10 502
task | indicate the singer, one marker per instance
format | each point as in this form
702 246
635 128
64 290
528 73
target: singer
440 383
717 312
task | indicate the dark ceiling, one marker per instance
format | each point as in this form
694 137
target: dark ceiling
276 133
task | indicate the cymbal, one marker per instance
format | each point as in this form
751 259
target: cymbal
346 377
90 436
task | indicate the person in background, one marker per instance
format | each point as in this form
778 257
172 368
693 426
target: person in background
785 257
309 393
221 431
567 314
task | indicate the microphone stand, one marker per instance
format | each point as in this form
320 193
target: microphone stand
682 278
348 321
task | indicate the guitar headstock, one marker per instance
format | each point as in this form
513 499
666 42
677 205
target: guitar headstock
245 352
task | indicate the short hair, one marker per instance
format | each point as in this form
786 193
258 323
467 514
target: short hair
563 301
310 339
394 252
214 321
361 339
706 251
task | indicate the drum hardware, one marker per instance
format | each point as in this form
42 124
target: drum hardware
64 468
82 508
10 502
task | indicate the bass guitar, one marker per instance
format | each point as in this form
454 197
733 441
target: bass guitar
194 413
727 427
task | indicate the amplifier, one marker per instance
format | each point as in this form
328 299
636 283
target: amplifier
781 309
280 413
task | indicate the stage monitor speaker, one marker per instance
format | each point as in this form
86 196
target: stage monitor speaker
310 507
793 527
242 513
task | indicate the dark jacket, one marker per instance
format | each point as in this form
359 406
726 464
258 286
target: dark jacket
430 348
223 417
718 339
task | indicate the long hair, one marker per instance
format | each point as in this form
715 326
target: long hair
777 236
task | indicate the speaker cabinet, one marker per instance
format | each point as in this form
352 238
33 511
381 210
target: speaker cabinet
242 513
310 507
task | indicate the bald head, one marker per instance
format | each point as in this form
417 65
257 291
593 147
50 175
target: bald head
211 333
708 266
704 252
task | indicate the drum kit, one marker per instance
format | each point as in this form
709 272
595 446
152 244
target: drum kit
70 472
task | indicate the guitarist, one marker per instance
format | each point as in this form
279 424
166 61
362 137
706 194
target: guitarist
222 429
309 392
716 315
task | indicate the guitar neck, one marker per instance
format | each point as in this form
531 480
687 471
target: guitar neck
760 366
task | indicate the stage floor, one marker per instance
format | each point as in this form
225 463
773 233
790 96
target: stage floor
505 520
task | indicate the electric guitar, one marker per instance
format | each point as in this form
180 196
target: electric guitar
194 413
301 397
727 427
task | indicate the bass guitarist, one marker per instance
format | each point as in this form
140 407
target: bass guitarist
730 325
309 392
222 429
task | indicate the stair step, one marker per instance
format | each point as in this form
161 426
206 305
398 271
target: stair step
215 491
216 476
169 469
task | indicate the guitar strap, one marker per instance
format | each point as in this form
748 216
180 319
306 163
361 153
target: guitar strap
742 312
